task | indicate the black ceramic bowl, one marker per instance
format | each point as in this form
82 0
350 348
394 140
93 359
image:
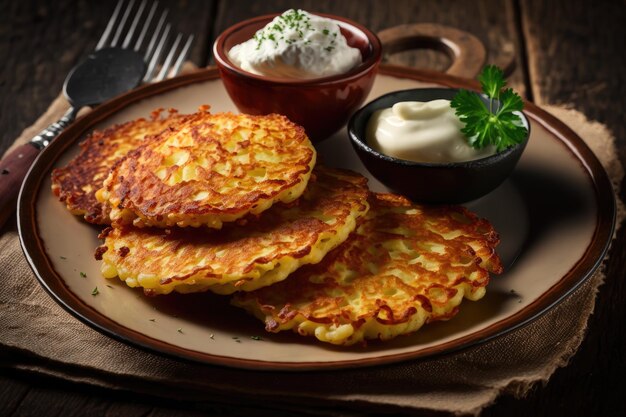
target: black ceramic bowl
453 182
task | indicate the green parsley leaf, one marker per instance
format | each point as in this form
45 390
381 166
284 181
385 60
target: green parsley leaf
497 124
492 81
83 275
95 291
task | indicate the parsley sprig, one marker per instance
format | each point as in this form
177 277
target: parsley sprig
497 124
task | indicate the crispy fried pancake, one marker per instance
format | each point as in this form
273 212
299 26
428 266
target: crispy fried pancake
239 257
77 183
209 169
405 265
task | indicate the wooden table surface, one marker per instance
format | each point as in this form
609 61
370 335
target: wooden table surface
565 53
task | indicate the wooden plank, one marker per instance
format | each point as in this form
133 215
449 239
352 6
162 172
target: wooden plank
39 50
576 58
492 21
26 395
12 392
48 402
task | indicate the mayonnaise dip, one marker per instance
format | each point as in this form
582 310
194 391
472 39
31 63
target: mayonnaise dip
421 132
296 44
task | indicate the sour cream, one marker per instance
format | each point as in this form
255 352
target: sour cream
296 44
421 132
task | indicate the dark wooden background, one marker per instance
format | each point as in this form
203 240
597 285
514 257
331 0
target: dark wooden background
567 52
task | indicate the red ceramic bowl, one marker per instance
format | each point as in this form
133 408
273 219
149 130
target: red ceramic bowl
321 105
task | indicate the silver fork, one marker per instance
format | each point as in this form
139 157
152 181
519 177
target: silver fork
115 67
112 69
157 44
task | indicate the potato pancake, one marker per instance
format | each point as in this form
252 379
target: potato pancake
404 266
208 169
76 184
239 257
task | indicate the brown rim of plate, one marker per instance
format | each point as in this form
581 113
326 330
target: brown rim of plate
54 284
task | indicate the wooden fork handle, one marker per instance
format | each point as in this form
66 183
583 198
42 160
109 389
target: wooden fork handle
13 169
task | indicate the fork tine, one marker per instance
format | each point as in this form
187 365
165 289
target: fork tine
168 60
155 36
181 58
120 27
133 25
145 26
167 65
157 54
107 31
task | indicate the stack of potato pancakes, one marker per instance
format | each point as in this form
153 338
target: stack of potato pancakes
235 204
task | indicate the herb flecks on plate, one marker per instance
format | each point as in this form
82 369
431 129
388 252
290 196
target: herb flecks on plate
497 124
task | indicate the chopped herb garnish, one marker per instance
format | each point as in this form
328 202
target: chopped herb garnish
63 257
288 27
179 330
255 337
110 286
83 275
212 336
95 291
152 319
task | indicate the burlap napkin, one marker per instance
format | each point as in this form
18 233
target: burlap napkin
39 336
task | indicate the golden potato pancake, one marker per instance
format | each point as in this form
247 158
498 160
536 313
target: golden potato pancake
404 266
76 184
239 257
209 169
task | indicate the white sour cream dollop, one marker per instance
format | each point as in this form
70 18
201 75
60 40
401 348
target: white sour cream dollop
421 132
296 44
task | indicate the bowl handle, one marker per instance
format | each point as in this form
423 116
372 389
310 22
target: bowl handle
466 51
